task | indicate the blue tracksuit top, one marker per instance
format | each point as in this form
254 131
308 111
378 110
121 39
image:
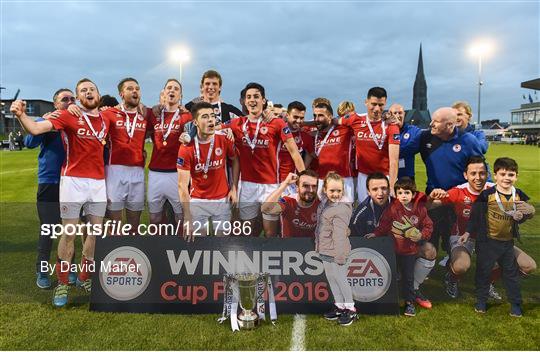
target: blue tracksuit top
406 158
445 160
51 157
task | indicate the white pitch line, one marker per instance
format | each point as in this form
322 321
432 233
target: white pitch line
299 333
15 171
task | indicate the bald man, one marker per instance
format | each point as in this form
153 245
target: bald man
445 150
408 133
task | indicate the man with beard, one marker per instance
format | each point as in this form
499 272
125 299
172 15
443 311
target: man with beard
203 165
258 143
125 172
298 212
366 217
50 159
295 118
82 181
331 147
165 129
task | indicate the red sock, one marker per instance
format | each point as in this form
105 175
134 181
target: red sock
85 266
495 274
62 271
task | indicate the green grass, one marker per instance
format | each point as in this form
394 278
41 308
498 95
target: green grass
28 321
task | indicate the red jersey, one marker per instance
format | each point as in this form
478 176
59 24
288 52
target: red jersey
127 134
334 153
84 151
419 218
371 157
166 139
286 163
259 165
462 198
297 221
215 185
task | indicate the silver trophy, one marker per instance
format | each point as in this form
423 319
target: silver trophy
247 291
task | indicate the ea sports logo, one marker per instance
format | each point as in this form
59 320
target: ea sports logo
125 273
368 274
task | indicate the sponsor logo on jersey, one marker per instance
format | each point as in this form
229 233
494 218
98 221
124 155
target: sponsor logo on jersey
369 274
125 273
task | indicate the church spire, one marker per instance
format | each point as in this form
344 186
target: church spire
420 86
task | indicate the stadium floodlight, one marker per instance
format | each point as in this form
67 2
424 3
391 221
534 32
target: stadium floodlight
481 49
179 55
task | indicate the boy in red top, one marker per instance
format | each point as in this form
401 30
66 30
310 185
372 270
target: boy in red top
299 211
407 219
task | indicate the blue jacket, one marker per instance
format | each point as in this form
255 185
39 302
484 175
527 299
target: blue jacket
480 135
445 160
51 157
406 157
364 217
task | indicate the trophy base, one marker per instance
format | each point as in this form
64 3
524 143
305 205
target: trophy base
248 322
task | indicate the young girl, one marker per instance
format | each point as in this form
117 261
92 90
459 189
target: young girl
407 219
333 245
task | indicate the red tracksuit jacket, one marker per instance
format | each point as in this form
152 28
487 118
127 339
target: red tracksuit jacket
418 216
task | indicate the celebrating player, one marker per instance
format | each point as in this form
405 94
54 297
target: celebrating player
82 184
258 143
165 129
377 144
331 147
299 211
203 162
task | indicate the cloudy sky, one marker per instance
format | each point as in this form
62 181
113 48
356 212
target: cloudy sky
298 50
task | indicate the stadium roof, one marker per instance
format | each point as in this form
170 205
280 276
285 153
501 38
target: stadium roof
532 84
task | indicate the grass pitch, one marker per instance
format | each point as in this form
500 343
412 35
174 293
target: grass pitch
28 320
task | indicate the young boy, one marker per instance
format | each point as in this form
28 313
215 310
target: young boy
495 216
406 218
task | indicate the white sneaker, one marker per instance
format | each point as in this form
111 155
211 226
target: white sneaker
444 261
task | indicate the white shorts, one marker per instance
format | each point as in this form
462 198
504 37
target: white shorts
454 243
252 195
80 192
125 187
163 186
348 194
203 209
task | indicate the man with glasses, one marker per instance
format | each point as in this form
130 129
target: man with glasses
50 160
